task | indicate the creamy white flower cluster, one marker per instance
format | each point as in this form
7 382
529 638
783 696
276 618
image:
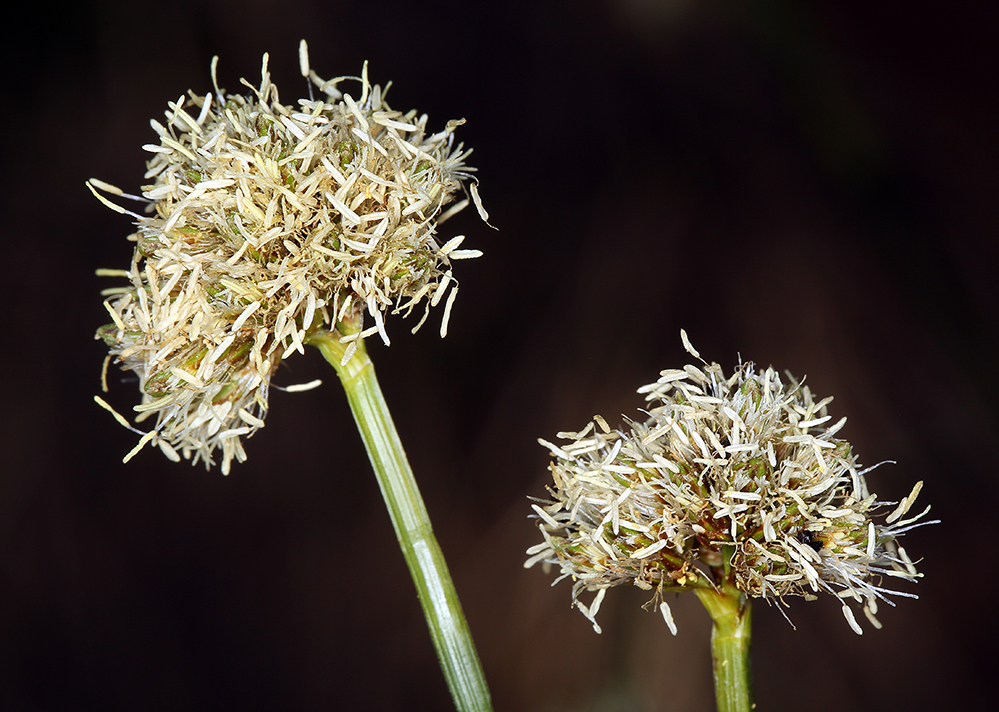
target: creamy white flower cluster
730 479
268 222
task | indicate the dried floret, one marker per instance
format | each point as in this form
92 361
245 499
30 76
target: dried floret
729 480
267 222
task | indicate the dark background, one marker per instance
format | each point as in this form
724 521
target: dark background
810 185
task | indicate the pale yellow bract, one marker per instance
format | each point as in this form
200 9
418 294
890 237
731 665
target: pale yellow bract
267 221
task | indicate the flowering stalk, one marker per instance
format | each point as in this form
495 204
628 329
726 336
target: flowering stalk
448 627
269 226
734 487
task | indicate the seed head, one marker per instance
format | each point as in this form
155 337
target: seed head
265 223
729 480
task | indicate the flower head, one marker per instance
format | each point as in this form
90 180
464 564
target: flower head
267 222
730 480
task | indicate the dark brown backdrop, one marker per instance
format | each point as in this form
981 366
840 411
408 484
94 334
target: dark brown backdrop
808 187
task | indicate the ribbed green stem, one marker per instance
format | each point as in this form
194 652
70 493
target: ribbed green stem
730 635
448 627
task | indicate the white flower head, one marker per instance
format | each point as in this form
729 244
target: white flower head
728 480
267 222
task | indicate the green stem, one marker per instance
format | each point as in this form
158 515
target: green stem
448 627
730 635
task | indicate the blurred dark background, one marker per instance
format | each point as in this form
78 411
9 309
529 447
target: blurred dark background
810 185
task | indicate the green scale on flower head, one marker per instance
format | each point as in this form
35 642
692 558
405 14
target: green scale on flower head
267 222
730 481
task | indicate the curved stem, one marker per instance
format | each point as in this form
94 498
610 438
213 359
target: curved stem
730 635
448 627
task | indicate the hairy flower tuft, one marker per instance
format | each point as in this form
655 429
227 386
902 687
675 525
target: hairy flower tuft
729 480
267 222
